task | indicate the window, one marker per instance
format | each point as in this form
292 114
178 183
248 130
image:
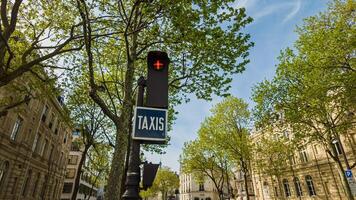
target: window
303 156
67 187
327 188
51 152
310 185
44 147
26 183
201 187
65 138
276 191
316 149
16 128
35 141
292 160
37 145
44 113
286 188
70 173
337 147
55 122
50 125
73 160
298 188
4 167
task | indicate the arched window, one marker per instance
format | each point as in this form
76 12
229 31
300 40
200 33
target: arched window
286 188
201 187
298 188
4 167
311 189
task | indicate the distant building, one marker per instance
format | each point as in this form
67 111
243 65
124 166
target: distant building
311 173
34 146
238 186
190 189
86 189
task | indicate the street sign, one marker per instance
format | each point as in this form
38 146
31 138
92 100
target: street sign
348 173
150 124
351 181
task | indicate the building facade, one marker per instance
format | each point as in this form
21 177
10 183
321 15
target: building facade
309 174
86 190
190 189
35 141
239 187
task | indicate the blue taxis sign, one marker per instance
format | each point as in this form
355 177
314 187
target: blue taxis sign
150 124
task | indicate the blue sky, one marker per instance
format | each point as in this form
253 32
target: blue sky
272 30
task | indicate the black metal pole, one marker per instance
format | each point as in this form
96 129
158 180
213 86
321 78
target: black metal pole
132 188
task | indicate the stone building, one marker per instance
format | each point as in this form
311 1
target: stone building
86 189
35 141
239 188
190 189
311 174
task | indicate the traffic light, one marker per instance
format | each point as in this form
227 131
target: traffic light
149 174
157 79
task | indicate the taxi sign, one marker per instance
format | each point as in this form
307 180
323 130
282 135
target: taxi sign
150 124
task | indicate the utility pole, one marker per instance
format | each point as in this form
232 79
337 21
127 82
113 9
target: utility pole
133 173
154 116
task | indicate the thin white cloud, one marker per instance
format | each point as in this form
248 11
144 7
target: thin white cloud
265 9
248 4
295 10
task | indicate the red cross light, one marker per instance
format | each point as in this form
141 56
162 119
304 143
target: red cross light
158 65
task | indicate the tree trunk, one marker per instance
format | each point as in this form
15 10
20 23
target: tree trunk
117 167
245 170
246 186
79 172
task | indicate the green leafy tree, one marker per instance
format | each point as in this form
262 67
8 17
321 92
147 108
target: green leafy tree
94 141
313 91
227 129
166 182
97 166
202 160
32 37
204 42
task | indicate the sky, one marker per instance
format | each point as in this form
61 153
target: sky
272 30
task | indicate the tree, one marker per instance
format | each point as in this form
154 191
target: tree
204 56
97 166
227 129
94 129
30 41
313 90
202 160
166 182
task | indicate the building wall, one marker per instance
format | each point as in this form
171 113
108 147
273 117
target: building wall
73 163
34 147
189 189
317 168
